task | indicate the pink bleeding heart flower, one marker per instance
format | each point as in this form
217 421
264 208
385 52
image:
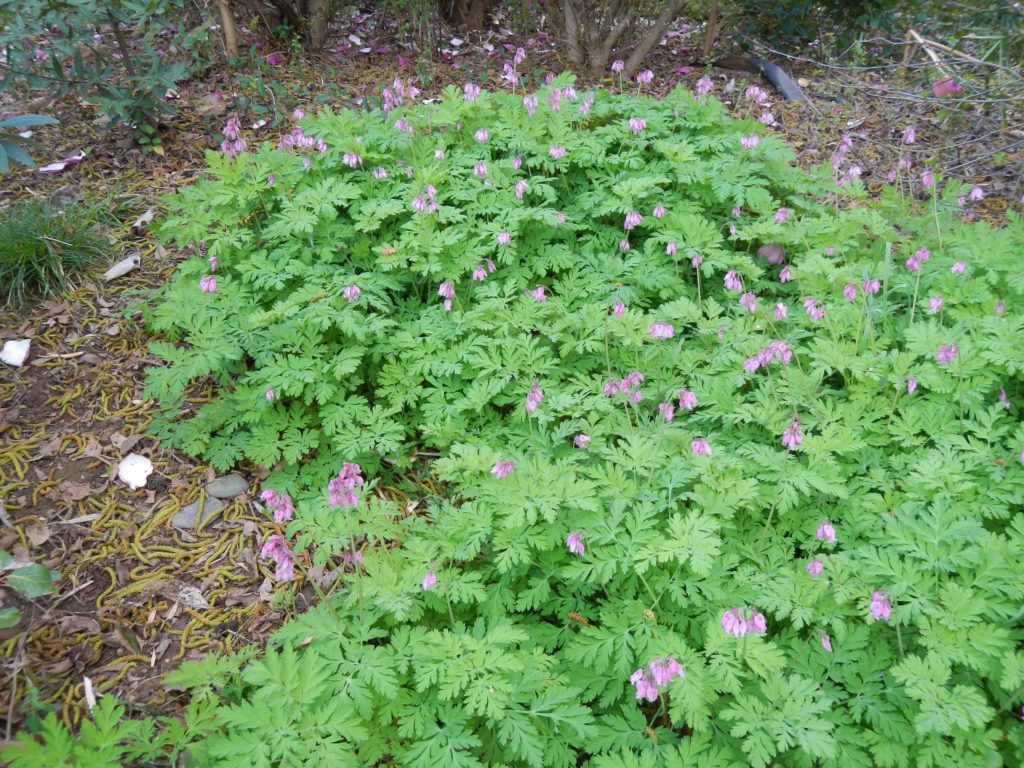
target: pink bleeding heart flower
879 606
502 469
574 542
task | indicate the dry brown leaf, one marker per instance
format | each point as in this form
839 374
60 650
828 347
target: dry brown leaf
72 623
74 491
124 443
38 533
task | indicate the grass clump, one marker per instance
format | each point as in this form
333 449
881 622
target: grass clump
43 249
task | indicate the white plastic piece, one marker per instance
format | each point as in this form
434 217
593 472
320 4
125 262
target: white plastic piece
15 352
134 469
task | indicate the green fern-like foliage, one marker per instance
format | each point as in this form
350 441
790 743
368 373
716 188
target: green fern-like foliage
823 397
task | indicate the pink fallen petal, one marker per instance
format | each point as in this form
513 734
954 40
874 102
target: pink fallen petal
947 86
63 165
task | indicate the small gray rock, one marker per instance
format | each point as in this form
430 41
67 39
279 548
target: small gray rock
228 487
188 516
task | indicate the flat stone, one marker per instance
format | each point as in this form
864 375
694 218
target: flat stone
228 487
188 516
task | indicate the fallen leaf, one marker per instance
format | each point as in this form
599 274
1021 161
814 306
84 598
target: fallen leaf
123 443
193 598
50 447
72 623
93 449
74 491
144 219
38 533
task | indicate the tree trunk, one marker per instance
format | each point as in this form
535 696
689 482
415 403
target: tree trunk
466 14
572 32
227 24
318 22
652 37
602 51
709 38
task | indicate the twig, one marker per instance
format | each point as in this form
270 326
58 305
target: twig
931 54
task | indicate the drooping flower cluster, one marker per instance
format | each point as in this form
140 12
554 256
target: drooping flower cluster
341 490
502 469
879 606
793 435
687 400
276 549
732 282
534 397
351 293
429 581
946 354
574 542
920 257
471 91
208 284
447 292
700 447
705 86
776 351
749 301
750 142
743 621
393 96
632 219
813 309
815 567
426 203
296 139
629 386
233 143
278 503
661 330
581 440
659 673
826 532
636 125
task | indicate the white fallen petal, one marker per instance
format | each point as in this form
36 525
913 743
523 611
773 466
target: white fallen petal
26 134
134 469
15 352
365 50
355 40
456 42
90 694
67 162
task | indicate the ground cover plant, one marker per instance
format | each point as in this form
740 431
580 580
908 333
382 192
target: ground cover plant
730 462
